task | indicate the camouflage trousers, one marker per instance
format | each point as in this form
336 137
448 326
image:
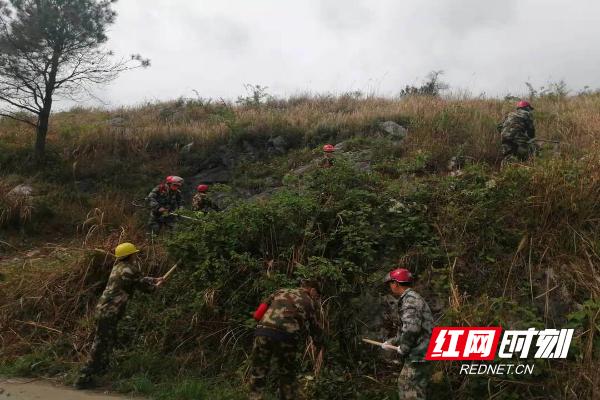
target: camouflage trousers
282 354
158 222
518 151
104 342
414 380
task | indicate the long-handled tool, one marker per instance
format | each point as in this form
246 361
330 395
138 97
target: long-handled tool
380 344
546 141
140 204
169 272
184 217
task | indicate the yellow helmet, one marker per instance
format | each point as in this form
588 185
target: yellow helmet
125 249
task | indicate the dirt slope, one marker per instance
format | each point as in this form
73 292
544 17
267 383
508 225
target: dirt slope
17 389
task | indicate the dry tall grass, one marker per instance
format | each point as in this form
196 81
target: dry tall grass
435 124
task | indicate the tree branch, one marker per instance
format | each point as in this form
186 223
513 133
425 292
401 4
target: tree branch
19 105
18 119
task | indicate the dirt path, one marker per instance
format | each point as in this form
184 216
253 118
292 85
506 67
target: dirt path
21 389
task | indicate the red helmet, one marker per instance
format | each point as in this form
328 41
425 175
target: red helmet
174 180
202 188
400 275
524 104
328 148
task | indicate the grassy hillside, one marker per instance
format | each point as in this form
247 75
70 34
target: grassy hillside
515 246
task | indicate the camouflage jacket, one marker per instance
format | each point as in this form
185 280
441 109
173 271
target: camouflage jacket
326 162
124 279
292 311
416 324
201 202
161 196
518 127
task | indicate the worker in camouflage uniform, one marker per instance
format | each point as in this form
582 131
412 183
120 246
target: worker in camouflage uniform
412 338
163 200
289 313
201 201
518 133
328 160
124 279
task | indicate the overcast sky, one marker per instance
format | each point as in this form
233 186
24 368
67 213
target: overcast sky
375 46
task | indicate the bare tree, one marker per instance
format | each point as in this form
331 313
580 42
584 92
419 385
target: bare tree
432 86
53 48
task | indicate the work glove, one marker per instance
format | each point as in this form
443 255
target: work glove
400 352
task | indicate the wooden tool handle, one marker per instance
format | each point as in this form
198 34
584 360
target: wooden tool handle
169 272
373 342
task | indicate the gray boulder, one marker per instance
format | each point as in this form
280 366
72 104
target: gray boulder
117 122
213 175
364 166
264 195
226 156
277 145
251 151
341 146
22 190
303 169
393 130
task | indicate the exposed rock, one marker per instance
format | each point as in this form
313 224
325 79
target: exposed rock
341 146
187 148
117 122
264 195
393 131
277 145
364 166
250 150
456 163
22 190
226 156
303 169
214 175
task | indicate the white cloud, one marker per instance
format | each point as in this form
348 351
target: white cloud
341 45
